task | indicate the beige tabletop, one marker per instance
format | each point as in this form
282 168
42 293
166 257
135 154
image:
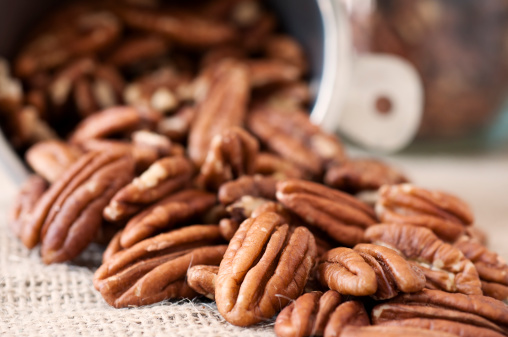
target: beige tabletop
59 300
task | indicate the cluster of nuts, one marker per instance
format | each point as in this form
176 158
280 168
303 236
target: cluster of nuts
204 177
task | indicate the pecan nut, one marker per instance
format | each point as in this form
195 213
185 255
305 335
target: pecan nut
134 50
272 165
162 178
177 126
308 315
265 266
254 186
341 216
166 213
350 313
444 214
442 326
228 228
202 280
155 269
286 49
444 266
271 71
391 331
113 247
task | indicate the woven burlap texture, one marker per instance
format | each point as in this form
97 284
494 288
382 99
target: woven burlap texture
60 300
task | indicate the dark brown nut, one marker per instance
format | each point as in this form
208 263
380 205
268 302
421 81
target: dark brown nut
292 95
421 245
442 326
232 154
341 216
399 311
273 165
393 272
254 36
265 72
308 315
31 191
391 331
11 91
84 32
350 313
177 126
290 134
443 213
202 280
162 178
490 266
155 269
228 228
220 53
255 186
114 121
166 213
76 215
29 128
265 266
50 159
183 28
113 247
358 175
286 49
224 106
138 49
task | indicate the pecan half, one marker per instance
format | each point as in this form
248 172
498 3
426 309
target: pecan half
358 175
255 186
177 126
138 49
155 269
341 216
51 158
435 257
232 154
286 49
113 247
162 178
308 315
228 228
293 95
270 164
202 280
265 266
166 213
444 214
266 72
223 106
350 313
441 326
391 331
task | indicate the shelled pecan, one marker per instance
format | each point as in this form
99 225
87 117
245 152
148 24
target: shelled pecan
137 49
155 269
351 313
443 213
202 280
391 331
341 216
444 266
285 48
267 72
265 266
254 186
176 127
270 164
228 228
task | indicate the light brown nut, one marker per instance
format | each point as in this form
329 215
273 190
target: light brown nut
358 175
490 266
270 164
265 266
202 280
166 213
398 311
495 290
308 315
51 158
177 126
228 228
444 214
391 331
286 49
350 313
223 107
114 121
341 216
161 179
183 28
232 154
155 269
345 271
255 186
292 95
290 134
138 49
443 327
423 246
76 214
393 272
152 141
113 247
477 234
30 192
266 72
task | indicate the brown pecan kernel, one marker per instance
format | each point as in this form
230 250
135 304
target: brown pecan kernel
265 266
308 315
51 158
138 49
341 216
162 178
495 290
286 49
423 246
358 175
31 191
155 269
177 126
113 247
223 106
350 313
270 164
255 186
228 228
76 215
443 213
166 213
202 280
391 331
232 154
442 327
266 72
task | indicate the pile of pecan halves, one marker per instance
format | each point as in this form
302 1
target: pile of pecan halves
180 138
